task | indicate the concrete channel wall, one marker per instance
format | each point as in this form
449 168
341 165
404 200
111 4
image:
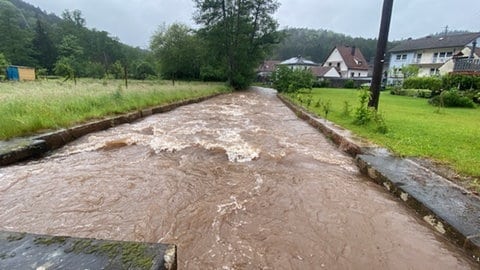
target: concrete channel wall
448 208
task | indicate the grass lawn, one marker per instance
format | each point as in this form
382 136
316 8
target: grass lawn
415 128
29 107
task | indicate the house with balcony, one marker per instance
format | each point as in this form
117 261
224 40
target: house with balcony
434 55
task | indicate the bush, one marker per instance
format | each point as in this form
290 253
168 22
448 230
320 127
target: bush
431 83
452 98
421 93
322 83
286 79
350 84
461 82
143 71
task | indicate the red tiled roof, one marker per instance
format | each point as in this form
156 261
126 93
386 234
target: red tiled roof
353 57
320 71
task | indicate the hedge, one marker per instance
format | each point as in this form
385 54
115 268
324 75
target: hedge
431 83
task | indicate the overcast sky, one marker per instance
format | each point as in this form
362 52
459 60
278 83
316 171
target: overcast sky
134 21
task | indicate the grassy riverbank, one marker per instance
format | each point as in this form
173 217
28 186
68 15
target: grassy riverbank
415 128
30 107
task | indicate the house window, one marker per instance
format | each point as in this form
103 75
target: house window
434 72
401 57
338 65
359 74
449 54
352 74
330 64
418 58
435 58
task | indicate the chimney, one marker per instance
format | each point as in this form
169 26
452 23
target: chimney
353 50
474 47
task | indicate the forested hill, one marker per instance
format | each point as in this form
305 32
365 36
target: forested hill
31 37
317 44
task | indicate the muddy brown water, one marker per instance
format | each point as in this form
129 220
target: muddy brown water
237 182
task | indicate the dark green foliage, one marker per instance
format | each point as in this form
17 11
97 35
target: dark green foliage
210 73
286 79
143 71
323 83
178 51
431 83
3 64
238 35
94 70
45 52
30 37
15 35
461 82
421 93
349 84
452 98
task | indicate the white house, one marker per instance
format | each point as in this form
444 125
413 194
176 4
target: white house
431 54
348 61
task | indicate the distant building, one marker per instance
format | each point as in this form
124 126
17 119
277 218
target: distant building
298 63
265 70
434 55
325 72
18 73
348 61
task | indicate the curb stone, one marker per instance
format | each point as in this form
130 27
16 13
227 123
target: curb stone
21 149
448 208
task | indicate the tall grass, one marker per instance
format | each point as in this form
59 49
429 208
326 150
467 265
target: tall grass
29 107
415 128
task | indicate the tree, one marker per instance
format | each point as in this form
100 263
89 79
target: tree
410 71
242 30
15 38
144 70
70 62
177 51
45 51
3 64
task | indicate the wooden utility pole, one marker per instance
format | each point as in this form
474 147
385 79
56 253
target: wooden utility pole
380 55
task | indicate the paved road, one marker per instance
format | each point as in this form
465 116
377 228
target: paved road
237 182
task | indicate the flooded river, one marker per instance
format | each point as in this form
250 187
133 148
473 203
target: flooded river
237 182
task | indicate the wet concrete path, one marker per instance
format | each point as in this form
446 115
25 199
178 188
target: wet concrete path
237 182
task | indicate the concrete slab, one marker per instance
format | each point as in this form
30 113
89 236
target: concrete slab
20 149
29 251
448 208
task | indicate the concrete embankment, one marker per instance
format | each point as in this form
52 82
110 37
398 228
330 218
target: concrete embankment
30 251
448 208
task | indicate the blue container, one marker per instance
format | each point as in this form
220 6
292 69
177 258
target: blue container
12 73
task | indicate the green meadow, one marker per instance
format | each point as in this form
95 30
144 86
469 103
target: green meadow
450 136
30 107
